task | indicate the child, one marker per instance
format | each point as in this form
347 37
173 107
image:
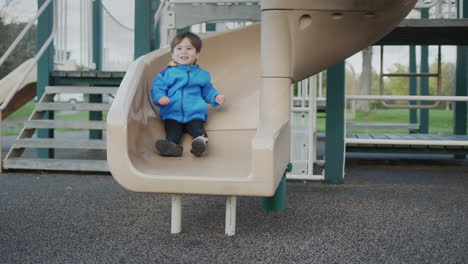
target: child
182 91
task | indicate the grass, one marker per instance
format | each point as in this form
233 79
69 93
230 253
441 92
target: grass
23 113
440 121
15 122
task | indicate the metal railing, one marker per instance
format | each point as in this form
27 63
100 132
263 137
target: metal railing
61 39
116 56
172 15
86 35
36 58
442 8
77 48
437 75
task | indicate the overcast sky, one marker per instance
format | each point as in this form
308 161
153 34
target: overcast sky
122 10
23 10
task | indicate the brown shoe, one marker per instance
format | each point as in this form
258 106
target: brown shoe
168 148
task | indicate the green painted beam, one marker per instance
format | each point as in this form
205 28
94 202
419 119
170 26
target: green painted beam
210 27
278 201
157 29
45 67
424 82
144 18
97 34
335 125
413 85
95 116
461 87
185 29
97 59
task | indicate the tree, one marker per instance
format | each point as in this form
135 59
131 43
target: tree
447 80
400 85
366 79
24 51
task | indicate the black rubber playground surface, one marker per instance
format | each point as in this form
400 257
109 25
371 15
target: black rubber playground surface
390 210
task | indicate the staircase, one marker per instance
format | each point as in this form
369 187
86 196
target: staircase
71 153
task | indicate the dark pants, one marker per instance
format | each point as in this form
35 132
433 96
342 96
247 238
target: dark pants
175 130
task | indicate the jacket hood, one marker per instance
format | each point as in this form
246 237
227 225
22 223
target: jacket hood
180 66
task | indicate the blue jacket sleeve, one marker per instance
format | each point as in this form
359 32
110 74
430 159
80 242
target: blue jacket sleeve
159 88
209 93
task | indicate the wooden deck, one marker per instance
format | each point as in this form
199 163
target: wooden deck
407 143
87 77
428 32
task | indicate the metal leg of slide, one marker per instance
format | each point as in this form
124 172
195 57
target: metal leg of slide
231 204
176 215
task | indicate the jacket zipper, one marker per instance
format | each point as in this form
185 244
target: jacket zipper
182 99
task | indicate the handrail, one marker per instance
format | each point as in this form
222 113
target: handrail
409 98
422 5
30 67
410 106
104 8
23 32
158 14
28 71
214 1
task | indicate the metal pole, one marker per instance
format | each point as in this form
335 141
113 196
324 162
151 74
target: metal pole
424 81
176 214
97 34
413 89
231 204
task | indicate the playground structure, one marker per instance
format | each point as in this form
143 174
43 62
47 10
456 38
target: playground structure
297 68
249 139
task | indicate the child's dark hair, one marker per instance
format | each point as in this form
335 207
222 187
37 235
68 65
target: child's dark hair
194 39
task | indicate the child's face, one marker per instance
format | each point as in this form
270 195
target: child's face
185 53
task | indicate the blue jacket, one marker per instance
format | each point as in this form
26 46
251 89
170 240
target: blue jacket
189 89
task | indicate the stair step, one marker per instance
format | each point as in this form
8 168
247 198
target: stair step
65 124
59 143
56 164
82 89
73 107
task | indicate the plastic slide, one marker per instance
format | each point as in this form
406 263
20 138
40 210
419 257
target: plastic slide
25 93
249 138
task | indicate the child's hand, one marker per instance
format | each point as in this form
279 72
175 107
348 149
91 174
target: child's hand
220 99
164 100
